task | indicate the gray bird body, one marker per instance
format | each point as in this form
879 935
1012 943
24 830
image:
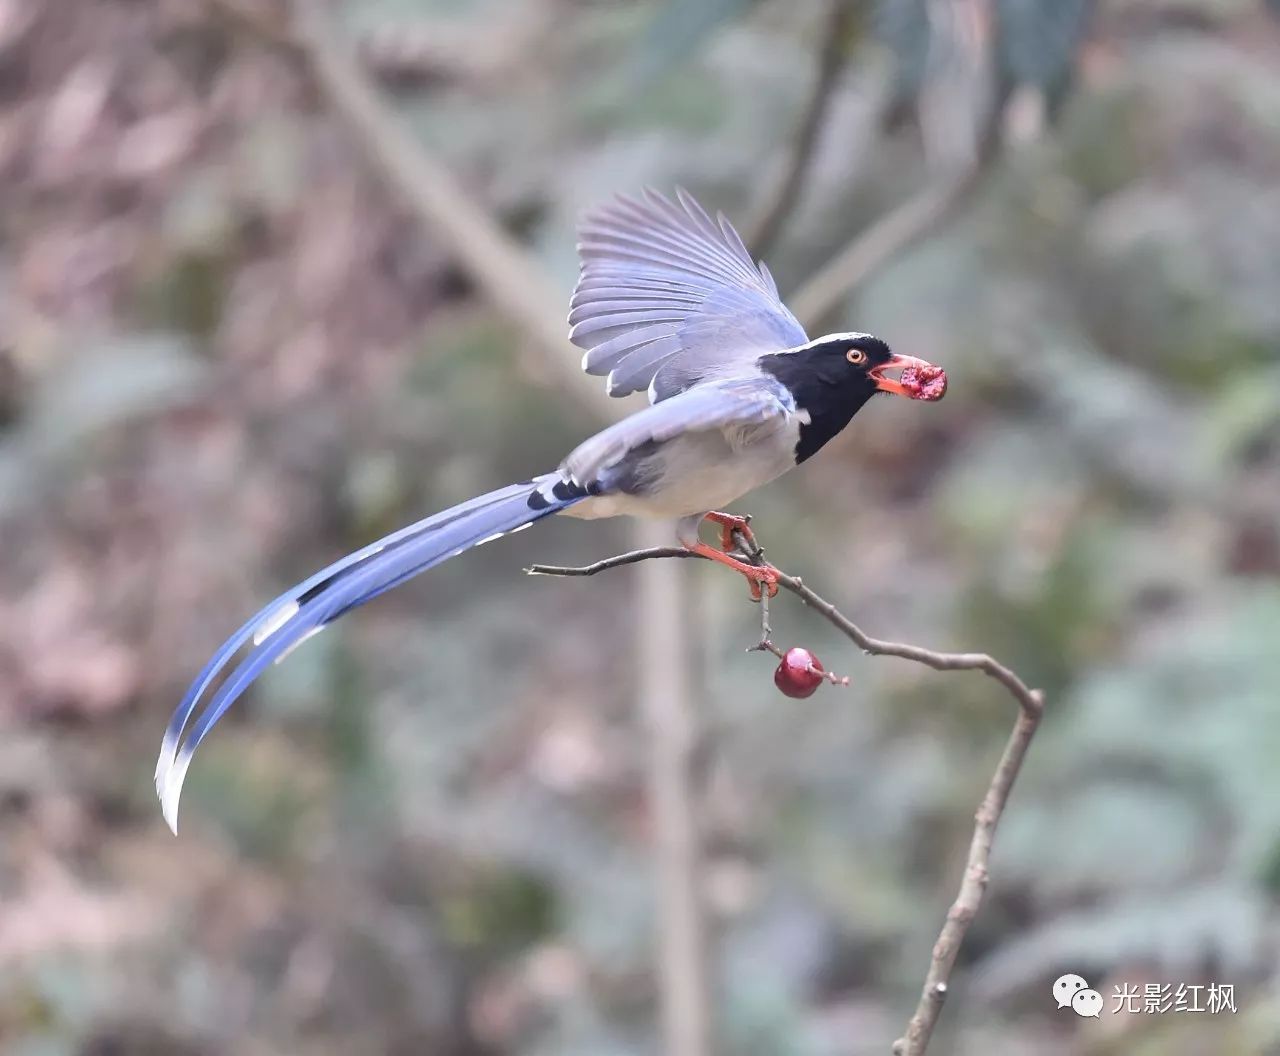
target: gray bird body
668 302
698 451
698 472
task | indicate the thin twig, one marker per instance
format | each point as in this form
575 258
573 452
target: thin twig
1027 698
973 884
596 568
766 643
764 226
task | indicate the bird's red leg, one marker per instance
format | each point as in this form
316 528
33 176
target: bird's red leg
730 523
756 574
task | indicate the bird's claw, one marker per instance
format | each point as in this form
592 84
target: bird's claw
759 577
731 523
766 577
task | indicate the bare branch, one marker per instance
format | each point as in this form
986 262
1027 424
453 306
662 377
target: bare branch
1026 698
629 558
973 884
764 226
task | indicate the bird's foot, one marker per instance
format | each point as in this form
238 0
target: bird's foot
759 577
730 523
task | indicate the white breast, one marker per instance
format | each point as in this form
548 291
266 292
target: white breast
698 472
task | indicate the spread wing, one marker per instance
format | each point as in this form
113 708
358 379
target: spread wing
668 297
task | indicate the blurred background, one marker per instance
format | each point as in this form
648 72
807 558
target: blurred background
232 348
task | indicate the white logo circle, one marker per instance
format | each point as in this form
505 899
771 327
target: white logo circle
1087 1003
1066 987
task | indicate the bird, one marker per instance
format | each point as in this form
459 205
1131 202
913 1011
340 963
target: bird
668 301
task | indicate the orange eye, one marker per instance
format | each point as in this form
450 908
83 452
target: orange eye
856 356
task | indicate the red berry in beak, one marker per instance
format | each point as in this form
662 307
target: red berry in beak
799 674
925 382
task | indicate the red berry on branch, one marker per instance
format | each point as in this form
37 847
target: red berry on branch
799 673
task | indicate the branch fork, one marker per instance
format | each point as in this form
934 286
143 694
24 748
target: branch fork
976 876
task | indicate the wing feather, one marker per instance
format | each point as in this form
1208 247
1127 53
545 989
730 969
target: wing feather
606 288
714 255
730 404
613 351
612 307
635 372
613 320
669 297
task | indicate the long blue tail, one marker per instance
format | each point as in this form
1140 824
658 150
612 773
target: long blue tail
305 609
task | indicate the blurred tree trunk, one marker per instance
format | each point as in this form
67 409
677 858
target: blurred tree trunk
667 674
513 281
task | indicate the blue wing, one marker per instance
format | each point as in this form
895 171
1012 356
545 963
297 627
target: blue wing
730 403
667 297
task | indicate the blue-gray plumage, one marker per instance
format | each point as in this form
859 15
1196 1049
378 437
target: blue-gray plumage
670 302
668 298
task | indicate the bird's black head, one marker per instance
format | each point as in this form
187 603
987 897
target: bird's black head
833 376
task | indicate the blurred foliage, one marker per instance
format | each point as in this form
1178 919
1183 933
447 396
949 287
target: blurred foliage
1037 42
226 357
678 31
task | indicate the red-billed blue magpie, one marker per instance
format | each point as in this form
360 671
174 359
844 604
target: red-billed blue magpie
668 300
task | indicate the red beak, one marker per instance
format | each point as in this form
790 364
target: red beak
920 379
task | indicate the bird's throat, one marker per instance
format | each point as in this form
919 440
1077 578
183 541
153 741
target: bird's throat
823 425
825 391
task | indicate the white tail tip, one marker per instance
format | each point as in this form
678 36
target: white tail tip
274 622
171 791
168 748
